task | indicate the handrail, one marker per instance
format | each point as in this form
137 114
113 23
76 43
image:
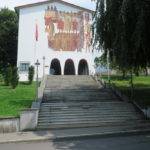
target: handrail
41 88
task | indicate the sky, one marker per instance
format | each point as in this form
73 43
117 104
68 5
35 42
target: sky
13 3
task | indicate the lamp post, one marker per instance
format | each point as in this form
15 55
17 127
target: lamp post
43 66
37 64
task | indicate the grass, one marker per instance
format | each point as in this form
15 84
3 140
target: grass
141 88
12 101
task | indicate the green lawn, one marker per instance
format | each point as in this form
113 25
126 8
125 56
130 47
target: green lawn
141 88
12 101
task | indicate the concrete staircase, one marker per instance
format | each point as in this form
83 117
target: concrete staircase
80 102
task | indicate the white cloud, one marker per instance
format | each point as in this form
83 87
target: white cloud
13 3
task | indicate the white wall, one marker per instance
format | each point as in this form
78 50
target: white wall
29 50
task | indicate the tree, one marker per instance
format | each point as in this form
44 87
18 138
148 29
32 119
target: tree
123 30
7 75
8 38
14 77
31 74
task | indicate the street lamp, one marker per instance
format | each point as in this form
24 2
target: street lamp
37 64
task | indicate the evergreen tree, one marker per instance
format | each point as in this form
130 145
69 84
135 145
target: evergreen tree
31 74
14 77
7 76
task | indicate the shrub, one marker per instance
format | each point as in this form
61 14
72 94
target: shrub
14 77
31 74
1 78
7 76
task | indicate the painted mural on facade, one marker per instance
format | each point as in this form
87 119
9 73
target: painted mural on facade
67 31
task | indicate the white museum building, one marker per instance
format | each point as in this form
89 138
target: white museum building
58 34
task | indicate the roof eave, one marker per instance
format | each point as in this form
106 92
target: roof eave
51 1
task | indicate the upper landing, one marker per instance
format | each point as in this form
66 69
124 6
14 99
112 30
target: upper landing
71 82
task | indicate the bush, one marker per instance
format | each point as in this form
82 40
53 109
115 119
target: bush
31 74
14 77
1 78
7 76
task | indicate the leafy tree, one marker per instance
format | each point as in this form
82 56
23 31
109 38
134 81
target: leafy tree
8 38
31 74
122 30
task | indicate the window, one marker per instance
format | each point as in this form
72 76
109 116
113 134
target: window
24 66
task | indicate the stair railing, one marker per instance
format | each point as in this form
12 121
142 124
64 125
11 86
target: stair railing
41 88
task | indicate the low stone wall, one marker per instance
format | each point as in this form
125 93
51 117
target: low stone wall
8 125
29 119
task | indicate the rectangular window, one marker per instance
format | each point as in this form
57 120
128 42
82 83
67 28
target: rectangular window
24 66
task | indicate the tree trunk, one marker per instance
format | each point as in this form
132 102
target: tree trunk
131 84
146 71
123 74
136 71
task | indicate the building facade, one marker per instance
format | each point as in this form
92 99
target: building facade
59 35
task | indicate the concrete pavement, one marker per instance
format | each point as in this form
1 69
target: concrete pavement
138 142
62 134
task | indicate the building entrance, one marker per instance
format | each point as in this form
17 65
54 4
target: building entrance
69 68
55 68
83 68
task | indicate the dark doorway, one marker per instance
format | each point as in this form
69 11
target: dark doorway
69 68
83 68
55 68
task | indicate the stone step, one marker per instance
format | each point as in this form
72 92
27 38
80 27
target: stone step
87 108
63 99
134 122
80 97
75 109
72 84
107 123
68 77
95 90
77 86
97 94
47 114
82 107
92 110
115 103
105 116
87 119
86 113
79 102
73 133
84 118
102 90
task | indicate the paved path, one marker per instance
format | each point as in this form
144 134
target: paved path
67 134
140 142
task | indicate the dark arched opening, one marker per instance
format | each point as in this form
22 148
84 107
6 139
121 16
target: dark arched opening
55 68
83 68
69 68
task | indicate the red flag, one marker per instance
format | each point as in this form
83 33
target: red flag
36 32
